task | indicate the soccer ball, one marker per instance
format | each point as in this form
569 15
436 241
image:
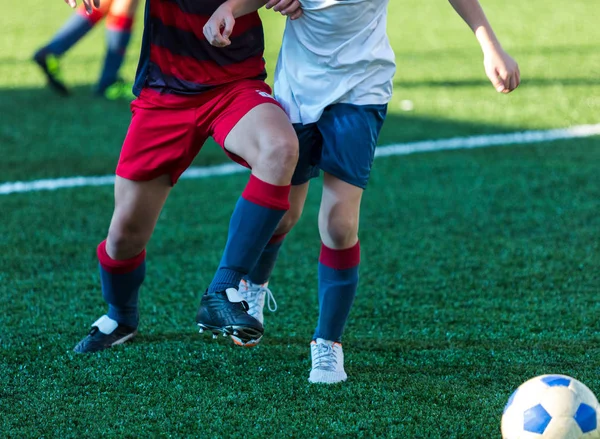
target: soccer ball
551 407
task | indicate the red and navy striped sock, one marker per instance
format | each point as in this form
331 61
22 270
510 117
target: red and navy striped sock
121 282
338 281
118 34
256 215
76 27
261 272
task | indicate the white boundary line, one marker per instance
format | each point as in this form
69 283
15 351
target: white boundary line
508 139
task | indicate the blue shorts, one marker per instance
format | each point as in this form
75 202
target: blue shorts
342 143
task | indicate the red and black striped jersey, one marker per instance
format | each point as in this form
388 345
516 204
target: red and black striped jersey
177 58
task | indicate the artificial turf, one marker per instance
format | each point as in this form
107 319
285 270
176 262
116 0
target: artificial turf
481 268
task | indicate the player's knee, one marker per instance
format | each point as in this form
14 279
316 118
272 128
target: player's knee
288 222
125 240
280 152
341 230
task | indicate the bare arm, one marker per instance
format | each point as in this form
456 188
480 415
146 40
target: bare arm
500 68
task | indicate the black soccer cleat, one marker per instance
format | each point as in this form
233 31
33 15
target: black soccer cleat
227 313
105 333
50 66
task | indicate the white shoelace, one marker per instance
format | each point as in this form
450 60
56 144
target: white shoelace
325 358
254 292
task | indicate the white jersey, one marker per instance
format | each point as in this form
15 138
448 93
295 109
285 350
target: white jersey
337 52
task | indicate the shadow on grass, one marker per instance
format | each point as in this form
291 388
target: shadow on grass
44 135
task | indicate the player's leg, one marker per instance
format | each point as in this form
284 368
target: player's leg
154 154
76 27
122 259
309 143
119 23
254 287
349 138
254 128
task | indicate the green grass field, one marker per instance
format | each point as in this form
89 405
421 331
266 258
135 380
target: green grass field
481 267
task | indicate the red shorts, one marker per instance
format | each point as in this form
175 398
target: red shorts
167 131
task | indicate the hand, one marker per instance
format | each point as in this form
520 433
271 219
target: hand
219 26
89 4
290 8
502 70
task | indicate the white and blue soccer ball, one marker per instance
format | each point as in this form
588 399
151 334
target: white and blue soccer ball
551 407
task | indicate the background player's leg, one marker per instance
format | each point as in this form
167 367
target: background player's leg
119 22
121 256
76 27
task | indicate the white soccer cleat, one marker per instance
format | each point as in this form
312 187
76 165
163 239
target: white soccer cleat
327 362
255 295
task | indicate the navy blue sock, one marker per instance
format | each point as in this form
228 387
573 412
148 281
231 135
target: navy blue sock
254 219
338 281
121 281
261 272
76 27
118 34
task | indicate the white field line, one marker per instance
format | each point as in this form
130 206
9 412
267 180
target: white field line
486 140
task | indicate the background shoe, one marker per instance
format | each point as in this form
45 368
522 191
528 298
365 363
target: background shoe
118 90
105 333
255 295
51 67
327 362
226 312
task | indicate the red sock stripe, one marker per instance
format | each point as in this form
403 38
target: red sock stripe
119 22
340 259
277 238
266 194
94 17
118 267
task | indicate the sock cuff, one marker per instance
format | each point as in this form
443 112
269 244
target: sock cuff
119 22
340 259
118 266
266 194
276 239
94 17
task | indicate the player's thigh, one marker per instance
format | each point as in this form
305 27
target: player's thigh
159 141
125 8
350 134
263 128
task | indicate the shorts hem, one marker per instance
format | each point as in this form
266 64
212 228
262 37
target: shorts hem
138 176
352 181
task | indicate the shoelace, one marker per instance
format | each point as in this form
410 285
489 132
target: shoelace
253 293
325 358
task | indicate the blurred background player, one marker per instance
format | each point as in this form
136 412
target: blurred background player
334 79
187 91
119 16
